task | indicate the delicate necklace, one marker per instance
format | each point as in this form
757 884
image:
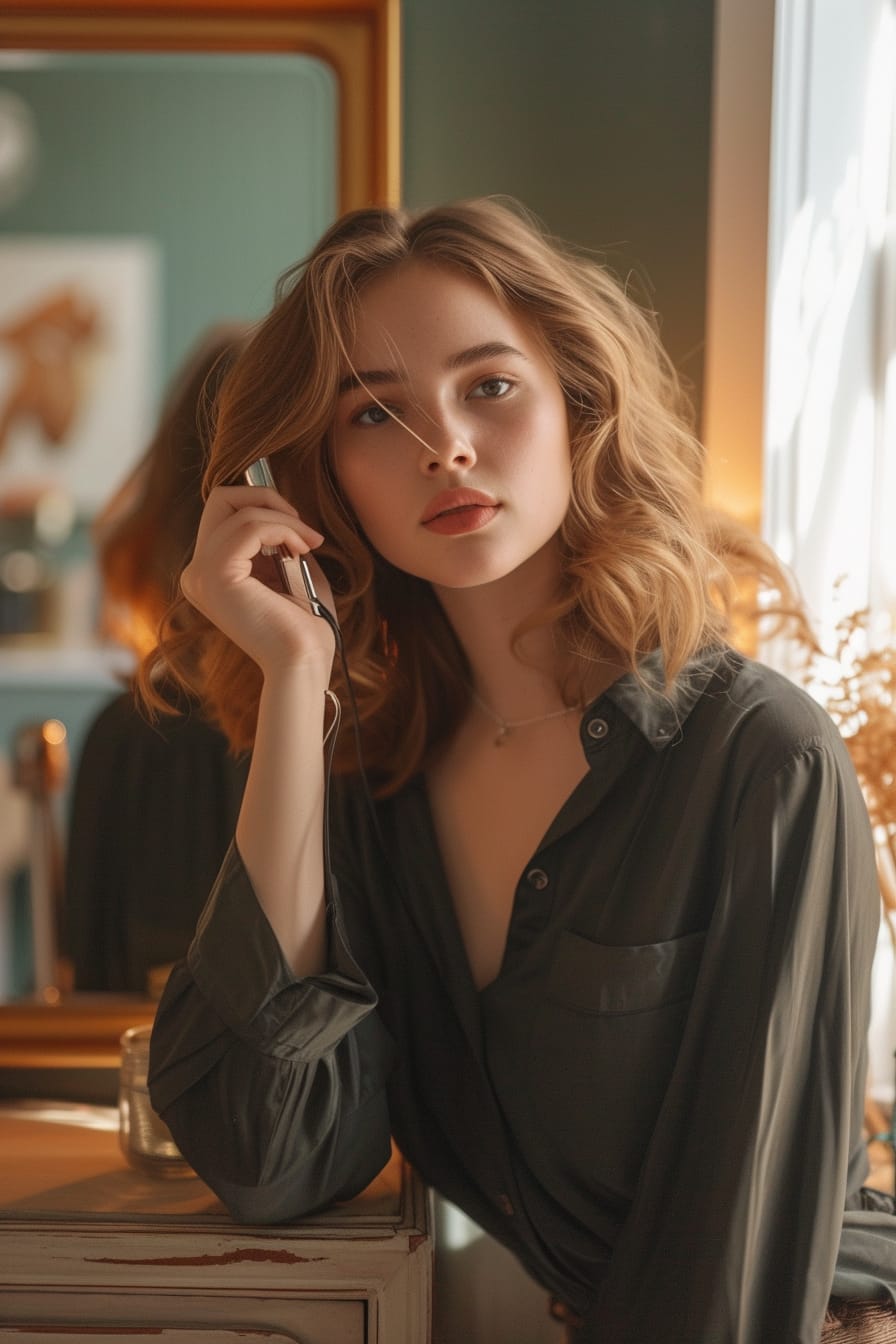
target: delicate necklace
506 725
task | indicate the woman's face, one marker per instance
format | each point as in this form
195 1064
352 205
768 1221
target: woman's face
459 469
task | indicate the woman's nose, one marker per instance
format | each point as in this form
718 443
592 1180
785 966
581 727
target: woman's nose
446 447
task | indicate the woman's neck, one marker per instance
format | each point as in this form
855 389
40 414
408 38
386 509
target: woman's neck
528 681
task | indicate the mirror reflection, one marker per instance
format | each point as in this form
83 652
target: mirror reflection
144 201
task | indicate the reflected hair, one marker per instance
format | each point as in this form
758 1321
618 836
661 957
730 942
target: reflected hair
645 564
145 532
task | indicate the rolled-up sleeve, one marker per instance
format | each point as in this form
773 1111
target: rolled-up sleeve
273 1086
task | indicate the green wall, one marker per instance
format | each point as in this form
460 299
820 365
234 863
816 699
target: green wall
595 113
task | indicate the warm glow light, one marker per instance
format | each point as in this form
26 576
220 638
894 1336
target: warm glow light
65 1113
129 626
53 732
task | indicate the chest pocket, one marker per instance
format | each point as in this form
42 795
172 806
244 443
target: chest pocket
596 978
605 1044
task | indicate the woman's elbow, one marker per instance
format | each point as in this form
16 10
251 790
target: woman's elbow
293 1177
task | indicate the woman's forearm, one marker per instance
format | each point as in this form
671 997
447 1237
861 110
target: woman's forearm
279 832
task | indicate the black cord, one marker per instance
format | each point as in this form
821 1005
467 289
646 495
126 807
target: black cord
329 748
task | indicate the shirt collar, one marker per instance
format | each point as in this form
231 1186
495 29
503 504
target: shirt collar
659 714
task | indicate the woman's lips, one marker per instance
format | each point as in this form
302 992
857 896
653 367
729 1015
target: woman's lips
459 510
465 518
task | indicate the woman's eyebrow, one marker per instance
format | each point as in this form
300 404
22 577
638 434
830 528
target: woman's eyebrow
487 350
378 377
366 378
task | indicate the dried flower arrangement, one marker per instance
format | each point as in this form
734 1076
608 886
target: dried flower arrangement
857 684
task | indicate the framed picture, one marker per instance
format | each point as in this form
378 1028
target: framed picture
78 343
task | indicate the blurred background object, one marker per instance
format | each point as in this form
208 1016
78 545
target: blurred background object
155 804
40 756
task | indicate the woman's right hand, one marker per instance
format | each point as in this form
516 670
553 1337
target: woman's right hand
222 579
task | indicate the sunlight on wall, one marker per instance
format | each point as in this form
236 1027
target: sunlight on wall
879 127
456 1230
826 440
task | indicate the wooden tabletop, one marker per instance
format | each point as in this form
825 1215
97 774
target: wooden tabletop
93 1249
62 1158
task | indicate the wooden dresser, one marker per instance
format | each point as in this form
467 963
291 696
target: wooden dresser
91 1249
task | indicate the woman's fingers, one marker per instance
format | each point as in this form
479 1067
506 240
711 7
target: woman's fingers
243 534
230 576
229 501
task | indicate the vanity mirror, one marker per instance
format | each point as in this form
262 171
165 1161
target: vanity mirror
358 40
345 51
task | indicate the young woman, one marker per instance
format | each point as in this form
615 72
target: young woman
598 954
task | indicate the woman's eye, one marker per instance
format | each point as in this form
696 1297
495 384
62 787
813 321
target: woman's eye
492 388
372 415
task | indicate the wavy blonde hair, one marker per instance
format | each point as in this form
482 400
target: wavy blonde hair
645 564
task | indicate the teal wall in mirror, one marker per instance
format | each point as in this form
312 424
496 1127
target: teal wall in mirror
227 163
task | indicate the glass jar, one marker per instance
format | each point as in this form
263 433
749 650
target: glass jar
145 1138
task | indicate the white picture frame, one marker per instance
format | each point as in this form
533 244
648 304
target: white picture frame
78 365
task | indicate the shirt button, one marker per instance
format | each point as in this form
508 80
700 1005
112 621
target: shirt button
597 728
505 1204
537 878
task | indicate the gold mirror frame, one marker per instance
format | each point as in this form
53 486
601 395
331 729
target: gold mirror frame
360 41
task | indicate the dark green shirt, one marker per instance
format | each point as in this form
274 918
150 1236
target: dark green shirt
658 1102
